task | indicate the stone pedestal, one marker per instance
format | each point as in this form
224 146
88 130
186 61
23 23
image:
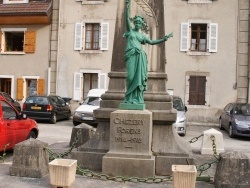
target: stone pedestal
130 145
30 159
207 144
233 170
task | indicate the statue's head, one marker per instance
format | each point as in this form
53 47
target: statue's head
139 22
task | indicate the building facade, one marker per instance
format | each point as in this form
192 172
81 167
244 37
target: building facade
85 40
207 60
24 41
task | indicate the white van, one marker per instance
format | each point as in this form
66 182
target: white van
84 113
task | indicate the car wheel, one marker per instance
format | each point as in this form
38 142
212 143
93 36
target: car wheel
32 134
53 119
76 123
230 131
220 125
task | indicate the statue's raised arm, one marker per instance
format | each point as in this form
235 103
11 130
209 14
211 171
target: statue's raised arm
127 15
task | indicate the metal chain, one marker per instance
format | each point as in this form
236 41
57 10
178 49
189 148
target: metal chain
193 140
207 165
54 155
89 173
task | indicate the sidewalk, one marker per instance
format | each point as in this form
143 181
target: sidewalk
8 181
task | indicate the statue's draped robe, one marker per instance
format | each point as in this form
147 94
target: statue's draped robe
136 66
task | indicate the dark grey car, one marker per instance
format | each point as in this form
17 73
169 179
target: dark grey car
50 108
235 118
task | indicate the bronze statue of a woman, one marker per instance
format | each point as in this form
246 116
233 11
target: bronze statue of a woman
136 61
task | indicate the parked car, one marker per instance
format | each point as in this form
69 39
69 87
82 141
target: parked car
50 108
84 113
181 121
12 101
235 118
14 127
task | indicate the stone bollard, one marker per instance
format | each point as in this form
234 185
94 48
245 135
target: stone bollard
30 159
87 132
233 170
207 144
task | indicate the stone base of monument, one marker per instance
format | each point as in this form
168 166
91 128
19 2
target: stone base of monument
130 145
128 166
30 159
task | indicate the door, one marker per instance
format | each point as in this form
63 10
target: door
197 90
8 125
90 81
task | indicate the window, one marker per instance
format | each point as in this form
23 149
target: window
200 1
15 1
86 80
91 36
17 40
92 1
8 111
199 37
197 90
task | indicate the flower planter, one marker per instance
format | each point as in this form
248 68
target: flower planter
62 172
184 176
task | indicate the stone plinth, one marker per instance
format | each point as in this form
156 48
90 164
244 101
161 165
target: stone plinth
207 143
130 152
30 159
233 170
83 132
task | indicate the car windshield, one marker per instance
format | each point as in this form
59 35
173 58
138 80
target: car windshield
242 109
178 105
94 101
37 100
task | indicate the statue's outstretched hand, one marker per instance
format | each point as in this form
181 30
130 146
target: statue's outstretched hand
168 36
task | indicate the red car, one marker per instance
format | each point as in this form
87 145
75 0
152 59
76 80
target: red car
14 127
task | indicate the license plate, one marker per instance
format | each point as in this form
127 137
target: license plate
36 107
87 118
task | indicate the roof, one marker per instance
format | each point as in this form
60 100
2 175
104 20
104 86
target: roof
34 7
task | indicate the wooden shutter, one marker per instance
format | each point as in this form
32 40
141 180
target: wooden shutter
197 90
213 37
78 36
30 42
104 36
40 87
19 88
184 46
102 80
77 86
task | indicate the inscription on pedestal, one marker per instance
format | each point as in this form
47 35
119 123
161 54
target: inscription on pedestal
131 131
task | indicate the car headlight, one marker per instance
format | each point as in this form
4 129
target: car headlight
182 119
77 113
240 123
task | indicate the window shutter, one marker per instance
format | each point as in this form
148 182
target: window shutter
1 41
104 36
30 42
19 88
78 36
40 86
213 37
184 46
77 86
102 80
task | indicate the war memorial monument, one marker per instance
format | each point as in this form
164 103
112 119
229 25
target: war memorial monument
135 136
